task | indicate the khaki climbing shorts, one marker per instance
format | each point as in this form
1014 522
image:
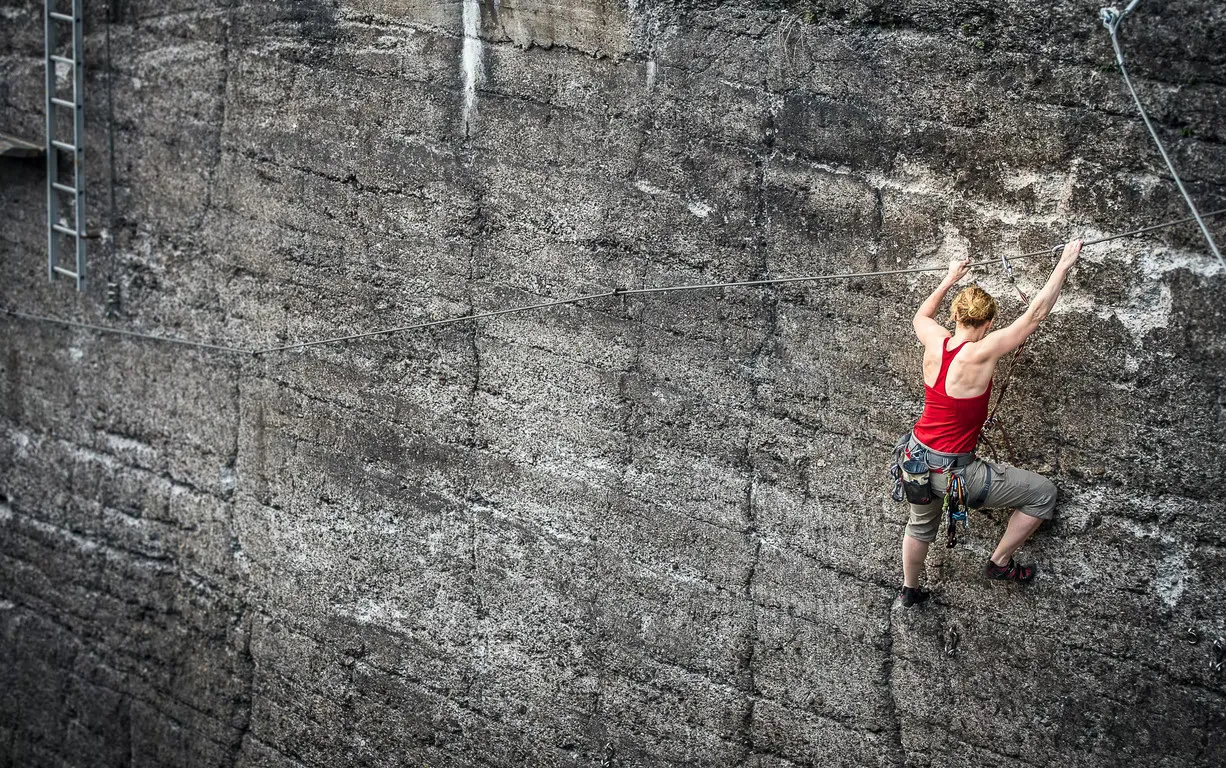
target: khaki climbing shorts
1007 488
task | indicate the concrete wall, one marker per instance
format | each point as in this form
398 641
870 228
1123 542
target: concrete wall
639 532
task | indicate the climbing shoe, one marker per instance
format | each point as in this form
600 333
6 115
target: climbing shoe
913 596
1011 571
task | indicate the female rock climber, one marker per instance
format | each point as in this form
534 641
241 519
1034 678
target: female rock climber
957 386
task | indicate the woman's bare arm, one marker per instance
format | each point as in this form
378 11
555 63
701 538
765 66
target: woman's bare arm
999 343
925 324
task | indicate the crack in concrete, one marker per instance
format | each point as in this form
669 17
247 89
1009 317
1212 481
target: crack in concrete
891 699
222 114
753 540
246 699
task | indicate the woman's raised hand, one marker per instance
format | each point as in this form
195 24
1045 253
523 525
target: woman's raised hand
1071 251
958 269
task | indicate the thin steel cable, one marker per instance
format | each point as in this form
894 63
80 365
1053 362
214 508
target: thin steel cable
1111 20
436 323
710 286
1141 231
123 332
909 270
578 299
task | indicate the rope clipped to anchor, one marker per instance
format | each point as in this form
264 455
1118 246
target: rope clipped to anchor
1111 17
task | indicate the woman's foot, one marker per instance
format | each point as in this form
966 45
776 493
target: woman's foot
1011 571
913 596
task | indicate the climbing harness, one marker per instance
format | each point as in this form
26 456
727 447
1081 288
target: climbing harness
912 473
897 493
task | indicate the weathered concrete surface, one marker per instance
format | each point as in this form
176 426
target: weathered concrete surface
639 532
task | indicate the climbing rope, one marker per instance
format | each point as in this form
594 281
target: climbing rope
1112 17
994 421
470 317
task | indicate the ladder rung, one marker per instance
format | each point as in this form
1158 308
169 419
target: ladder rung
65 272
63 59
65 146
61 16
65 188
63 103
65 230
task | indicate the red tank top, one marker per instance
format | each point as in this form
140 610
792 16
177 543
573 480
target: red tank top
951 424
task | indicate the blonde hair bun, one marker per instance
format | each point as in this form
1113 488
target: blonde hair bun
973 306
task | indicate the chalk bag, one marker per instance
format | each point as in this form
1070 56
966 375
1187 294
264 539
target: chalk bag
916 483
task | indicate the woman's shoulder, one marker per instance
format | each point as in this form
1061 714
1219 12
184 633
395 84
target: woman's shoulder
935 344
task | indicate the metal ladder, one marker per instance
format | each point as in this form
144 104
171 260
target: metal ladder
55 21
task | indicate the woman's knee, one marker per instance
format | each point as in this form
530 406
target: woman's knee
923 522
925 532
1044 503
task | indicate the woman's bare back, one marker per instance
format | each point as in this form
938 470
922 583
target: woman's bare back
967 375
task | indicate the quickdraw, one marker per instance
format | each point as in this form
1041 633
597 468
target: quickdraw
954 507
1008 270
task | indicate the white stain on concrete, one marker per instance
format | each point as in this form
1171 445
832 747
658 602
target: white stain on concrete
954 245
1149 307
377 612
21 441
651 74
1171 578
1172 573
696 207
1149 303
470 60
699 209
648 188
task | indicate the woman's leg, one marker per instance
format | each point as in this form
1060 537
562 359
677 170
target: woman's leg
913 553
1030 495
921 531
1021 526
